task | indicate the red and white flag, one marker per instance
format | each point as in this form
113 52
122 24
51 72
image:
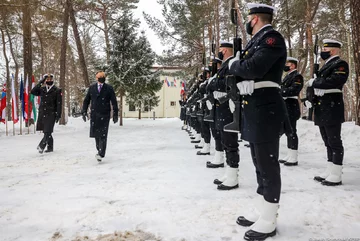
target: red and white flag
174 82
3 105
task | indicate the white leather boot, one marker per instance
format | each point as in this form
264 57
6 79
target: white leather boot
293 158
334 178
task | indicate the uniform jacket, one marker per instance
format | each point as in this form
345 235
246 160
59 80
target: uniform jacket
50 107
264 111
291 86
329 108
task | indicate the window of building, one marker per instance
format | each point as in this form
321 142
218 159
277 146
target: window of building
172 103
172 84
146 108
131 107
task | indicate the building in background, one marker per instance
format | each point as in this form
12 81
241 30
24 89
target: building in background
169 97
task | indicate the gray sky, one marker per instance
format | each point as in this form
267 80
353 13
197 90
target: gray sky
154 9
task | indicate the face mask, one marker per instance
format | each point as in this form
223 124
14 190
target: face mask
286 68
221 55
101 80
49 83
325 55
249 28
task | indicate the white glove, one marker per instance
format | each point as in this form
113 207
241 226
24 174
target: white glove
310 82
246 87
231 106
236 58
209 105
308 104
319 92
200 104
218 94
193 108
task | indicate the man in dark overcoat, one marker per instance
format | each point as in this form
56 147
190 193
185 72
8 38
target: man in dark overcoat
49 110
100 95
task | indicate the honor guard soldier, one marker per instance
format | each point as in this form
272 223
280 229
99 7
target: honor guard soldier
260 71
290 89
223 116
329 109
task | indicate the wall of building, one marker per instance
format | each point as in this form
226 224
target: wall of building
169 106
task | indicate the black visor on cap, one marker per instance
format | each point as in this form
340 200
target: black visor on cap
261 10
332 45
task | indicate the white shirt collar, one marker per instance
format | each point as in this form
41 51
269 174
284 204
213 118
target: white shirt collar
331 58
49 87
291 71
266 25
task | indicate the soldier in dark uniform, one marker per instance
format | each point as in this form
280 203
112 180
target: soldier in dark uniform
223 116
260 71
100 95
329 109
182 103
49 110
205 126
290 90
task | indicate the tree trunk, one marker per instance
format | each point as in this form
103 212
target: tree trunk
288 27
8 87
355 22
79 46
16 69
42 64
121 108
27 44
64 41
309 35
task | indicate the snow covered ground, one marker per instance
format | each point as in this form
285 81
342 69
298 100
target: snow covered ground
151 180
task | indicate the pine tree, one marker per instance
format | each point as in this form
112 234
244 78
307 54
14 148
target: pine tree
130 64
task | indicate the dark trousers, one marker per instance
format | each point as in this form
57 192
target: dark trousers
292 138
331 136
217 137
231 145
47 140
101 145
265 158
205 131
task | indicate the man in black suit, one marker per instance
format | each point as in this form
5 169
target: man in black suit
100 95
49 110
329 109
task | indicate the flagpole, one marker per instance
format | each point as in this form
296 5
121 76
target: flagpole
21 117
6 124
28 100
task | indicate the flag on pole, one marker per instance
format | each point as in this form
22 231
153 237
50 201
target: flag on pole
26 100
174 82
182 91
13 100
32 107
166 81
3 105
22 97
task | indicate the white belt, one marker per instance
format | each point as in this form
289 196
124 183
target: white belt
266 84
291 97
330 91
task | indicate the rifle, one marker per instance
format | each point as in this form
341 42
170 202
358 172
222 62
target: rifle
210 96
232 80
310 95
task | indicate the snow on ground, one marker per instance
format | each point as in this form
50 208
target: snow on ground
151 180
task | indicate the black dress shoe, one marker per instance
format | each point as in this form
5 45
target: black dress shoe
211 165
289 164
198 147
247 145
242 221
195 141
48 150
319 179
217 182
202 153
40 149
192 137
282 161
252 235
327 183
226 188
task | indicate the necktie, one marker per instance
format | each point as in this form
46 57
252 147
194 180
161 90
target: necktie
99 88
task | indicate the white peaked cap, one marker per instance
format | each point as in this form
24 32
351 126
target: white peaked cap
260 7
292 59
331 41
